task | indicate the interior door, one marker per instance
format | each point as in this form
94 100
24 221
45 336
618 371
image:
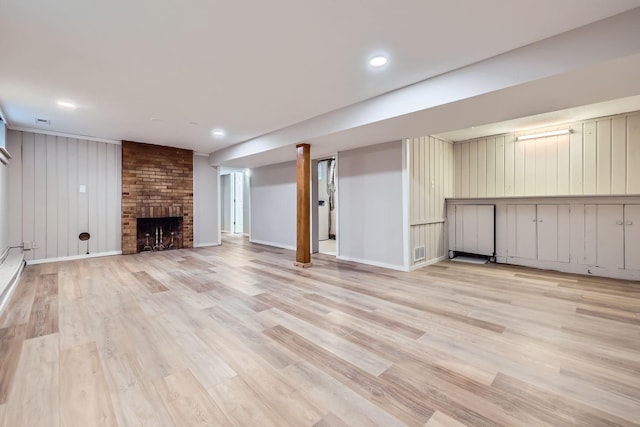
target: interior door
632 237
610 236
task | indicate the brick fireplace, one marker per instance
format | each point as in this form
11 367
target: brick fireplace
157 182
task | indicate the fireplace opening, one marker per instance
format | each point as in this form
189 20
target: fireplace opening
159 234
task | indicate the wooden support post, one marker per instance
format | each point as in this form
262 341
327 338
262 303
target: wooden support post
303 236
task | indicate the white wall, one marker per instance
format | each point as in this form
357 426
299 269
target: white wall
47 209
600 157
4 197
273 205
323 211
205 203
246 204
225 202
370 203
430 162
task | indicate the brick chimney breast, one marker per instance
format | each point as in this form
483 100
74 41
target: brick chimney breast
157 182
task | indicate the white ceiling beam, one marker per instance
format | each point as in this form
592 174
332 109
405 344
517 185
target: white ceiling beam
601 42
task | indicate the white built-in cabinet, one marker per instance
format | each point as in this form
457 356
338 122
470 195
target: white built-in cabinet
588 235
615 229
473 229
538 232
632 237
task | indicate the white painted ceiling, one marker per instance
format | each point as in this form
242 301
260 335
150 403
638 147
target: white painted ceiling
551 118
250 67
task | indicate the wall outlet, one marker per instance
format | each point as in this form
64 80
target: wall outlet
27 246
83 188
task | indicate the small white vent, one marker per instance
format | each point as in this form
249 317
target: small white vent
44 122
418 253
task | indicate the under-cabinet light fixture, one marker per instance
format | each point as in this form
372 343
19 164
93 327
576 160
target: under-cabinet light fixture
544 134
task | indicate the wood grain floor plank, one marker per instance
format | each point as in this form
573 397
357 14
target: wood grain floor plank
268 383
11 339
374 364
73 324
403 402
21 301
188 402
35 398
331 420
242 406
441 420
372 317
236 335
84 396
152 285
555 406
44 311
135 400
327 392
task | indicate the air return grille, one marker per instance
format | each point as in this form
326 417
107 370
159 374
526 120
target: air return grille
418 253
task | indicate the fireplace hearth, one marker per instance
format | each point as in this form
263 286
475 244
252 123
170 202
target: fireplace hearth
159 234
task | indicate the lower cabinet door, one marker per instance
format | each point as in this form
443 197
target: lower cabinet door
522 226
610 236
632 237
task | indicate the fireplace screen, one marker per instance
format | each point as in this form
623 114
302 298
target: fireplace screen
159 234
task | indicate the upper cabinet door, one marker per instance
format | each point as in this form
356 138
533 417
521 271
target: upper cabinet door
632 237
610 236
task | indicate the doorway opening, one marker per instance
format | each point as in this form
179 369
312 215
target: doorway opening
325 211
233 201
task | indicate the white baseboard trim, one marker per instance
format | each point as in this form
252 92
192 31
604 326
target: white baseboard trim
276 245
72 257
374 263
206 245
426 263
587 270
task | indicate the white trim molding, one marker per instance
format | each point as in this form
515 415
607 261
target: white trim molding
65 135
72 257
275 245
374 263
428 263
206 245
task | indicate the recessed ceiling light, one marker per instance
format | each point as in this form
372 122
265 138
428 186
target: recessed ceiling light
218 133
66 104
378 61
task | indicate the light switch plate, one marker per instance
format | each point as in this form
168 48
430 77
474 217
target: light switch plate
83 188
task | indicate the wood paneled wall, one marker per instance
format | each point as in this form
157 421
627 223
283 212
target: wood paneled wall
431 180
600 157
54 211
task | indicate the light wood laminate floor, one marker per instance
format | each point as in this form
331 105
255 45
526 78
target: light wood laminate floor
235 335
